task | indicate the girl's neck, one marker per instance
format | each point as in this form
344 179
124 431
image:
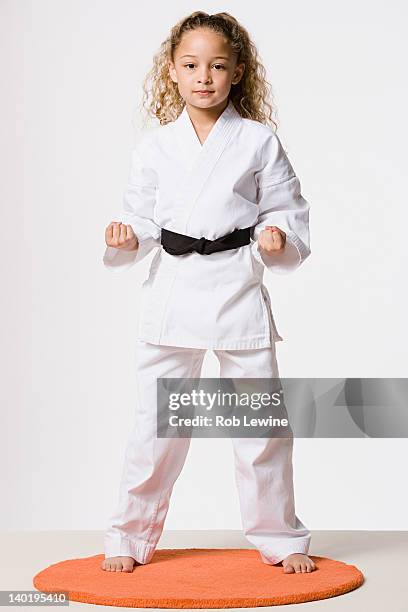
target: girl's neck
204 118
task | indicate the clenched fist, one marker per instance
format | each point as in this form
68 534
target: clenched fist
272 240
121 236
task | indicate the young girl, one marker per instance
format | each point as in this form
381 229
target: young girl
213 188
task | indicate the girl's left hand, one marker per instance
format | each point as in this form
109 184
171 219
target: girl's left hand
272 239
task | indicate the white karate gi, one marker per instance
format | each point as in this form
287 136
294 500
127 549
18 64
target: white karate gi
239 177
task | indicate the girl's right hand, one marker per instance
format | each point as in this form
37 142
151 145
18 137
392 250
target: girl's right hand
121 236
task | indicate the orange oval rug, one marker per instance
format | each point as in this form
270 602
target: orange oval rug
198 578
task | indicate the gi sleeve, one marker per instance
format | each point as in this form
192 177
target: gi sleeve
281 203
138 210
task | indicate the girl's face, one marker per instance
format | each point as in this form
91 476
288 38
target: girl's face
204 61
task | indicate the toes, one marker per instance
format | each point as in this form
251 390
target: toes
118 565
127 566
299 567
310 566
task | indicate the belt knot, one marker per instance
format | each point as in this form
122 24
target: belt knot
199 246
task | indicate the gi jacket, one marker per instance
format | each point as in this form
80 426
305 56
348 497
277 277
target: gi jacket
239 177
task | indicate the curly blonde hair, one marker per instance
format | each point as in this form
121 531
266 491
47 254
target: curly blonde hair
252 96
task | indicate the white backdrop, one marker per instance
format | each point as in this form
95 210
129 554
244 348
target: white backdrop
71 75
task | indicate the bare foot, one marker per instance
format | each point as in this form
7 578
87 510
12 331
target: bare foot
119 564
298 563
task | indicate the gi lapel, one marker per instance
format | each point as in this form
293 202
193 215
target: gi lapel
200 159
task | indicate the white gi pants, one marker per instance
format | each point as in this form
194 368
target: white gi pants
263 466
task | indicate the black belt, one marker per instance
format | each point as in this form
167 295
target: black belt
179 244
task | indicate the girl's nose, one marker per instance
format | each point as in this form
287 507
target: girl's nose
204 77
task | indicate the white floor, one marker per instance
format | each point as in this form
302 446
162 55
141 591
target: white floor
381 556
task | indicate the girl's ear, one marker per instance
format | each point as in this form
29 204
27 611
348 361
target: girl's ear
239 71
172 72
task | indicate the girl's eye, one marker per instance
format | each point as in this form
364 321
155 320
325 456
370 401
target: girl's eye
220 65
